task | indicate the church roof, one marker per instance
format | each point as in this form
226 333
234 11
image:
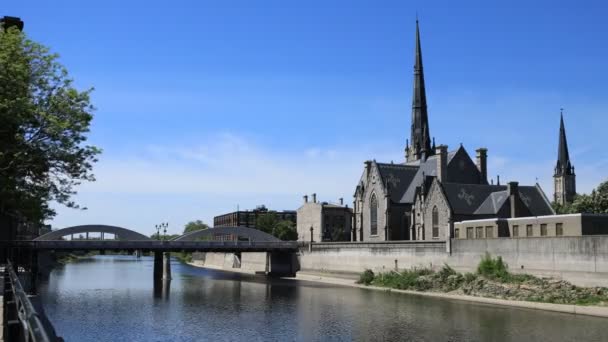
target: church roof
424 168
481 199
396 177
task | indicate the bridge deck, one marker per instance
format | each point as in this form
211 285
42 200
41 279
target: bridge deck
164 246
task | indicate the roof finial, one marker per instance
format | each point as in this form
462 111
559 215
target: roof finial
416 16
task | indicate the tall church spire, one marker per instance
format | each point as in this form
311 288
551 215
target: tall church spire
563 157
420 138
564 177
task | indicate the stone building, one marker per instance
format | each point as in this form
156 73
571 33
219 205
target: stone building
564 179
329 222
421 198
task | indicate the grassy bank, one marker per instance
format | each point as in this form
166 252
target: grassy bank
492 280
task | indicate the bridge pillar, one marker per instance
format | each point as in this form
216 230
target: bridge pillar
158 265
162 266
166 266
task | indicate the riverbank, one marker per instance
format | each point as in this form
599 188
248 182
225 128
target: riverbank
597 311
474 296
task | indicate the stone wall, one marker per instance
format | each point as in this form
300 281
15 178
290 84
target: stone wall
435 198
580 260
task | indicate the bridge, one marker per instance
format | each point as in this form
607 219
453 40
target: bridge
222 239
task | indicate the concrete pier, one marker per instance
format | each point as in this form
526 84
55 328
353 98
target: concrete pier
162 266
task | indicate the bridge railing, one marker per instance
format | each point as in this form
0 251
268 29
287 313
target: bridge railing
160 245
20 311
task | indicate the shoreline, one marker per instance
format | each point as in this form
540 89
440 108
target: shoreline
594 311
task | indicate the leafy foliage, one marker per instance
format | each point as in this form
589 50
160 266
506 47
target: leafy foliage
43 126
194 226
596 202
493 268
366 277
282 229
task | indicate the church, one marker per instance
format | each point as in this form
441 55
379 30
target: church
422 198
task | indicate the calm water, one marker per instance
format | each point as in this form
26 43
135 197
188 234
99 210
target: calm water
112 298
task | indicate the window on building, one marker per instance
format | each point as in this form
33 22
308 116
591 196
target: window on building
543 229
435 222
470 233
456 233
479 232
515 231
373 215
529 231
559 229
489 232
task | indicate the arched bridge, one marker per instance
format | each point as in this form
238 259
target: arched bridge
240 232
118 232
231 239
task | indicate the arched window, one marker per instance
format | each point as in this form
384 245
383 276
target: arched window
435 222
373 215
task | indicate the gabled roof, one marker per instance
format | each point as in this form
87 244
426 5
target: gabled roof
467 198
396 178
427 167
478 199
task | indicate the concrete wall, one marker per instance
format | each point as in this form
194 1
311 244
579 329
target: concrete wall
580 260
250 262
356 257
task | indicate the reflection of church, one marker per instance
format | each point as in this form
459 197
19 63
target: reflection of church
421 198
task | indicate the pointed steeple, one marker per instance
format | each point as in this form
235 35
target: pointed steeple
420 136
563 166
564 177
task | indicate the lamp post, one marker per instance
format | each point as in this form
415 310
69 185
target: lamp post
165 225
157 232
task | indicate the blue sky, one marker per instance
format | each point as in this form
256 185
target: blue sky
206 105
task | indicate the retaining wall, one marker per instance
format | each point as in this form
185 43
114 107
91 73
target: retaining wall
581 260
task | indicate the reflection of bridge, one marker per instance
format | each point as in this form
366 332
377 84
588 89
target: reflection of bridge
223 239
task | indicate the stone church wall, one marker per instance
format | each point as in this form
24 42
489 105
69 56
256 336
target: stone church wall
374 186
435 198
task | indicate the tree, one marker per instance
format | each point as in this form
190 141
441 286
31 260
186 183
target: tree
286 230
194 226
271 224
594 203
43 126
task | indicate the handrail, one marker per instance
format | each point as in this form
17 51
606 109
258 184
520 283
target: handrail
28 317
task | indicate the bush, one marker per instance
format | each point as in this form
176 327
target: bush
493 268
445 272
469 277
366 278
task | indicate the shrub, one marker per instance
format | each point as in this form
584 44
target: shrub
366 277
469 277
445 272
493 268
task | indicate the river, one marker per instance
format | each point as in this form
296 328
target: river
112 298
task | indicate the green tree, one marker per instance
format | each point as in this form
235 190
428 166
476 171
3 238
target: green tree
194 226
596 202
286 230
43 126
266 222
271 224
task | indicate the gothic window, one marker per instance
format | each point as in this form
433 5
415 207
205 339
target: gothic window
435 222
373 215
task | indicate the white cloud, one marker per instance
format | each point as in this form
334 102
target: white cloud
215 175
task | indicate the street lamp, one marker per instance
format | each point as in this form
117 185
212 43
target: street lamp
157 231
165 225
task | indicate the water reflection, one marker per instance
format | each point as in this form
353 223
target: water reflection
115 299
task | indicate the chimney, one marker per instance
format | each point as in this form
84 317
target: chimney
305 198
497 179
482 164
314 198
513 191
7 22
341 201
442 162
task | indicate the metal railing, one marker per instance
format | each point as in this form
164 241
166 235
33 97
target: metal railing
20 311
